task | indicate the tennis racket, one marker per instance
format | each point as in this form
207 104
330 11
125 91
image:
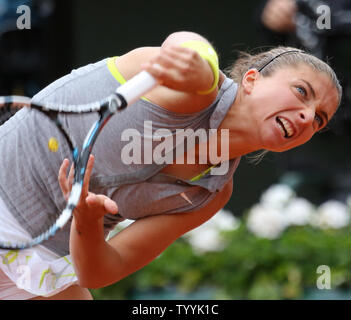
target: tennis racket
126 94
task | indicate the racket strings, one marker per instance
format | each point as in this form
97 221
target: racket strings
17 102
126 94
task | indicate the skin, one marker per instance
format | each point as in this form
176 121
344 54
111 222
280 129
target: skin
252 125
279 15
252 118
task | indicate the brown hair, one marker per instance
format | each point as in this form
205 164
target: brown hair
269 61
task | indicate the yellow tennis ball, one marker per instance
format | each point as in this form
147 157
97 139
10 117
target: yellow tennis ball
53 144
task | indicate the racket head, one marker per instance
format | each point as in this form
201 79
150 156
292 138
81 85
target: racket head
59 219
134 88
9 106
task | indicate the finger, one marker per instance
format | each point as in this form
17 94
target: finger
171 60
111 206
183 55
101 202
71 176
156 70
88 171
179 50
62 177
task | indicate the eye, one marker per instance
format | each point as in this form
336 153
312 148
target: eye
319 119
302 90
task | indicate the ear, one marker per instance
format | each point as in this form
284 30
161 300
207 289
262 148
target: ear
249 80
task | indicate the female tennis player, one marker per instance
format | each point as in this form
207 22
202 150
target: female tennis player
275 101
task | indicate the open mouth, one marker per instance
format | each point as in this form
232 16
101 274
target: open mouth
286 127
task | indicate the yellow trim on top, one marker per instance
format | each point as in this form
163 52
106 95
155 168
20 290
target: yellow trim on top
202 174
111 65
207 52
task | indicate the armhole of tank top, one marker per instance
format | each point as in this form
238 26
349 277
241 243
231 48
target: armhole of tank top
111 65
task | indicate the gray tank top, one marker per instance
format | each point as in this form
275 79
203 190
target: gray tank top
28 170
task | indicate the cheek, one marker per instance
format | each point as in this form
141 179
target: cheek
285 98
274 101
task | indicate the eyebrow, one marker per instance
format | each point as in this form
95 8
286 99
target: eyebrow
310 87
314 96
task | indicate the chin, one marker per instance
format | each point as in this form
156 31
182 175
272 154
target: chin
277 143
277 146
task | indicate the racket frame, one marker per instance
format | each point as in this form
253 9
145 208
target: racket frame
125 95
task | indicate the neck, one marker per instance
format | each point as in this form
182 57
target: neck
242 136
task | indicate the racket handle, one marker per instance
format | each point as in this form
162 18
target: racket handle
137 86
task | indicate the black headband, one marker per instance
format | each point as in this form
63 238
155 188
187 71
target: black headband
277 56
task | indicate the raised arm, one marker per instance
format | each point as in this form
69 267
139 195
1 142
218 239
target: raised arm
188 81
99 263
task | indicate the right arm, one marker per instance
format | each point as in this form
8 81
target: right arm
99 263
181 71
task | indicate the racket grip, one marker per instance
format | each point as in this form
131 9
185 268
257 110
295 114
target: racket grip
137 86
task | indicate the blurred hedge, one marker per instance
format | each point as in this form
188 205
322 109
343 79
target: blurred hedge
248 267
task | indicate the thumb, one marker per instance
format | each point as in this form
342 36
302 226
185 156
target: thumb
98 202
110 206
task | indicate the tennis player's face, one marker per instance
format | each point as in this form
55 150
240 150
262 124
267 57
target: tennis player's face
291 105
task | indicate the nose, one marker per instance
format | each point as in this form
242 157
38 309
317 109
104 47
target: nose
306 116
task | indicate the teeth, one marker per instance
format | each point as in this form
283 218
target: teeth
285 127
281 128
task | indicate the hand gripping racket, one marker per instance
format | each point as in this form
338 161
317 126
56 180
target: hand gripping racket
126 94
